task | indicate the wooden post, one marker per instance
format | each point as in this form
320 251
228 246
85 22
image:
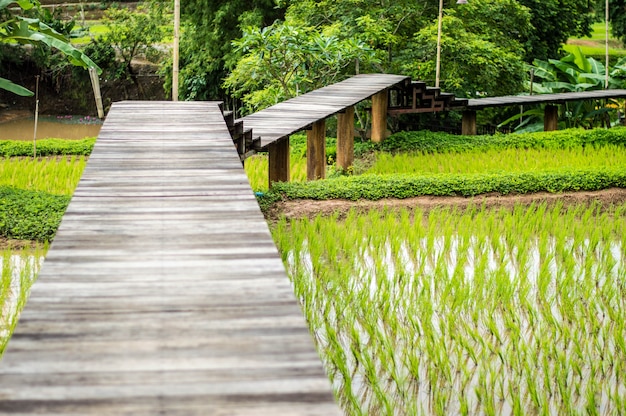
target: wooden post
551 118
316 151
379 116
468 126
278 154
345 138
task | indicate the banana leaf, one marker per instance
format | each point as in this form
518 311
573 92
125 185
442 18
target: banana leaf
7 85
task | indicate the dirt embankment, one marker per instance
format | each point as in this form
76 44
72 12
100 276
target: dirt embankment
311 208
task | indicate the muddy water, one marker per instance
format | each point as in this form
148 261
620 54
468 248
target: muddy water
61 127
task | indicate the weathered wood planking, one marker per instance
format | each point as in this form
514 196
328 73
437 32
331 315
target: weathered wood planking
163 293
299 113
557 98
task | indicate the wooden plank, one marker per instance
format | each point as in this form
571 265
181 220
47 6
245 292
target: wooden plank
163 292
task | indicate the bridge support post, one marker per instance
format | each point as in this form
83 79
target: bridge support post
345 138
278 154
551 118
468 126
380 102
316 151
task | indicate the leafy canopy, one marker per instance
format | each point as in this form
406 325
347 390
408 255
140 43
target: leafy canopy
283 60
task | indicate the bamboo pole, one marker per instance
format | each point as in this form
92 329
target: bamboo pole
36 116
175 51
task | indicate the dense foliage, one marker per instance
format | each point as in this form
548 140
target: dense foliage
30 215
475 56
554 22
33 31
206 51
484 43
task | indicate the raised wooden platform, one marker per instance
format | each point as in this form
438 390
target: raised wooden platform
300 113
163 293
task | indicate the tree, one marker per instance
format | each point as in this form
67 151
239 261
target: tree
480 52
206 52
384 25
617 17
135 33
282 60
23 30
554 22
471 65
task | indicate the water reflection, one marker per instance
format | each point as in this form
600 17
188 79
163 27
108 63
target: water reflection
18 271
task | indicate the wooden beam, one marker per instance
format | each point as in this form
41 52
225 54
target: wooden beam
551 118
380 102
468 126
278 155
345 138
316 151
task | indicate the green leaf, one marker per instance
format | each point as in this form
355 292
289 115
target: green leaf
7 85
581 60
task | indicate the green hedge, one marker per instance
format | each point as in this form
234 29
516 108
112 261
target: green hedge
46 147
433 142
30 215
375 187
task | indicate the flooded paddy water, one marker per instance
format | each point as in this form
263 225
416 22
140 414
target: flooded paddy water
50 127
18 271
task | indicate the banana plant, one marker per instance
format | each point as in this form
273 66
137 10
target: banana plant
23 30
573 73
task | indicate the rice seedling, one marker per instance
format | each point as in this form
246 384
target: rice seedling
53 175
19 271
256 168
499 160
492 311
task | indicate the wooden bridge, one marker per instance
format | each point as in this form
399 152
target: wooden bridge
163 292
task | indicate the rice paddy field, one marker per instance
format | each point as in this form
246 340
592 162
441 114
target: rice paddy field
56 175
481 310
53 175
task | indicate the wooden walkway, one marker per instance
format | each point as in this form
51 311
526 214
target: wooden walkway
300 113
163 293
556 98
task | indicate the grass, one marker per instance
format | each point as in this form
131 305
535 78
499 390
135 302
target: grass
594 45
94 29
482 311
